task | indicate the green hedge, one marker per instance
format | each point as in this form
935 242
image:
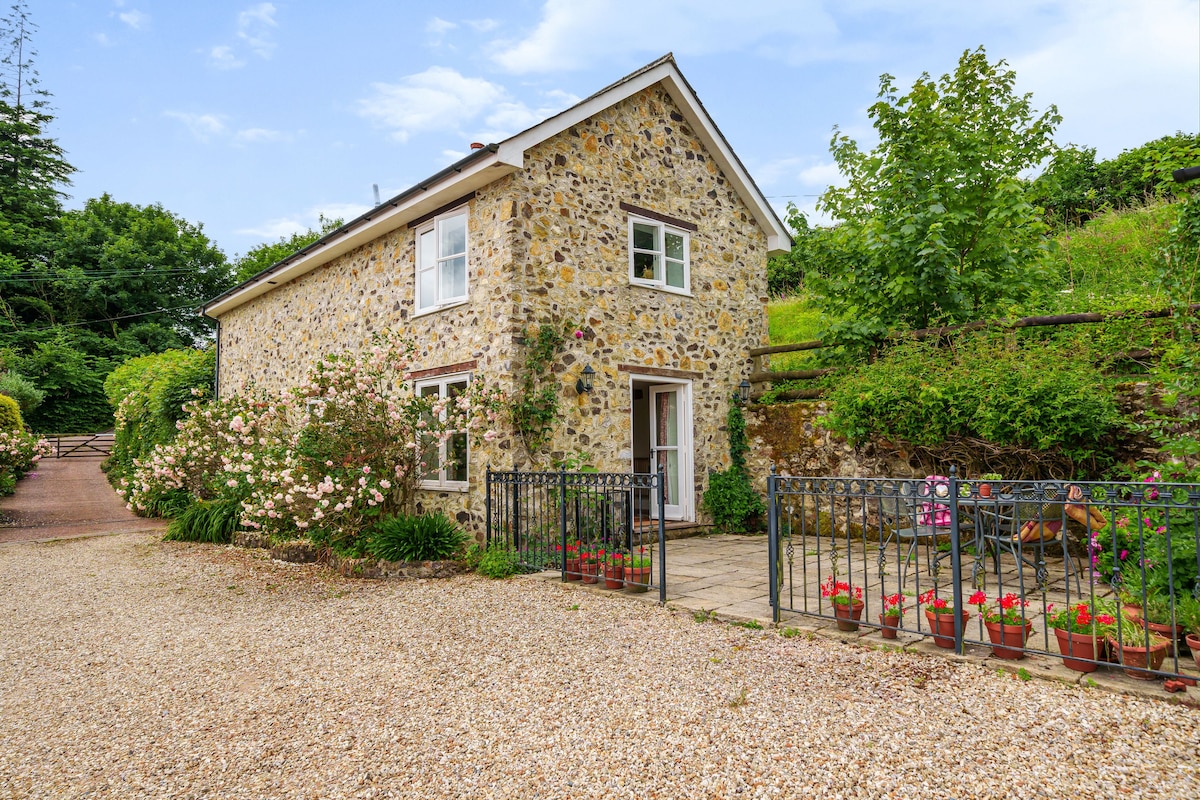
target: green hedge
149 393
1034 394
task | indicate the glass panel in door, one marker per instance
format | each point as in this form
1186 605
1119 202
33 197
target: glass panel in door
667 446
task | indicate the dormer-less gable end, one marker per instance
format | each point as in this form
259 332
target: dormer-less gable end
496 161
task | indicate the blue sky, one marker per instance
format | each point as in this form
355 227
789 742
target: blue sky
253 118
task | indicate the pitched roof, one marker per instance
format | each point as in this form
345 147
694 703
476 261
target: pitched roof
494 161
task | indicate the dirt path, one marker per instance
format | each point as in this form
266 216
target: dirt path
65 498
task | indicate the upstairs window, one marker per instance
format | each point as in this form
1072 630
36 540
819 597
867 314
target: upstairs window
658 255
442 261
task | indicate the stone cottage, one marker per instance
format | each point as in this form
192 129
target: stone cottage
627 216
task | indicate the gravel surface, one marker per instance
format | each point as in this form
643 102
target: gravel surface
135 668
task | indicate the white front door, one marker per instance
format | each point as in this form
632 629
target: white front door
671 447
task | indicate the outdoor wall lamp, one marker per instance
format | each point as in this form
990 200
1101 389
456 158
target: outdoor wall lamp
586 380
744 391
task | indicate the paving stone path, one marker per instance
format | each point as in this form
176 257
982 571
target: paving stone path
66 498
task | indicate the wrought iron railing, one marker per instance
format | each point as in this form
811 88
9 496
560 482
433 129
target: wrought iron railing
1125 550
576 521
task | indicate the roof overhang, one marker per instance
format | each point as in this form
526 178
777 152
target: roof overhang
470 174
497 160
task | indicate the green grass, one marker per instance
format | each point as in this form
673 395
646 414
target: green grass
1109 263
790 320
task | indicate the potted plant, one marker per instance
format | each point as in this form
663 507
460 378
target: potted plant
1082 630
614 570
637 571
1136 648
573 573
1005 622
846 600
985 488
1187 611
940 615
893 613
1156 616
589 565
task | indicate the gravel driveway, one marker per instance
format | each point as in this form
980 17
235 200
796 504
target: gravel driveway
134 668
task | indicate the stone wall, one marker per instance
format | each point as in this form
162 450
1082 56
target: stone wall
550 244
789 437
640 152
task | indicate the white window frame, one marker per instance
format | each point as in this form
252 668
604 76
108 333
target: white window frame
426 305
442 483
661 229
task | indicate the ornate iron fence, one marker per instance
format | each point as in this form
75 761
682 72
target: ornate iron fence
1047 550
581 522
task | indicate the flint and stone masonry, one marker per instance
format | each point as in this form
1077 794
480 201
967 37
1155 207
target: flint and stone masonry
550 245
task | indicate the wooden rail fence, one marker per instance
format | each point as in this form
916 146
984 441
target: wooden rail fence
759 376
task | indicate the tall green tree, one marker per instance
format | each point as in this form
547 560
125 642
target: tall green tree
33 169
119 264
938 206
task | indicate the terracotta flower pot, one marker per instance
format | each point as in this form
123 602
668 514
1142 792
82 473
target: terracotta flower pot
1173 634
1080 645
848 614
614 576
637 579
985 490
1144 657
590 571
1008 641
1193 643
573 573
942 627
891 626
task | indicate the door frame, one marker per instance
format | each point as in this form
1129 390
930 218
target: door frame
685 510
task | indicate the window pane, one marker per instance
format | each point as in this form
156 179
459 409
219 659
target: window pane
427 288
675 274
453 236
454 278
456 457
645 237
674 246
645 265
426 252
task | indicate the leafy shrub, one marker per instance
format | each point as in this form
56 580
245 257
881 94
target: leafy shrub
21 389
730 498
10 414
149 394
1030 394
428 537
214 522
499 561
732 501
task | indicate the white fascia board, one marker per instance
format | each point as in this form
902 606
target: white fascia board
383 219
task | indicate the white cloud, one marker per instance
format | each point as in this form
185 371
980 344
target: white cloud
283 227
438 99
103 40
439 26
222 57
1149 61
135 19
483 25
574 35
202 126
254 28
